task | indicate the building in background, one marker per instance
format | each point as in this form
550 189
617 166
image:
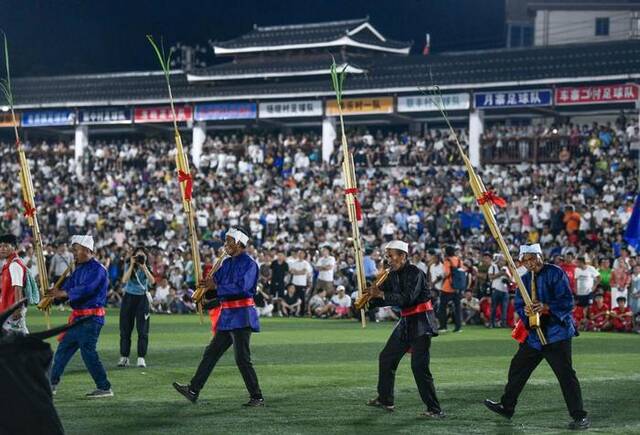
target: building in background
584 21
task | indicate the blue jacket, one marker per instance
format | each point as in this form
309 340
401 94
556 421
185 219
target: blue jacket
236 279
552 289
87 287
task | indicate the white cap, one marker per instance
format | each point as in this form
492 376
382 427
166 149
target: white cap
341 287
530 249
238 236
399 245
86 241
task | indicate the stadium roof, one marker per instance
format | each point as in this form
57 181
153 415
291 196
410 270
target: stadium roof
605 61
355 33
269 69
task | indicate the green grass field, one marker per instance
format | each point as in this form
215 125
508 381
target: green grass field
317 374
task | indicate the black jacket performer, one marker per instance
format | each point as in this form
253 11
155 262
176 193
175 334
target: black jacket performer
406 288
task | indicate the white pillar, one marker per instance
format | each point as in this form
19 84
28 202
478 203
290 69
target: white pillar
476 128
328 137
199 136
82 141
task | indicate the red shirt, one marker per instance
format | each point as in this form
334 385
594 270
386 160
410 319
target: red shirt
7 294
595 310
570 270
618 311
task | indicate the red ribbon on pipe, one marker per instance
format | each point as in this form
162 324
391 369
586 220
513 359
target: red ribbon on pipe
354 192
28 210
490 196
188 188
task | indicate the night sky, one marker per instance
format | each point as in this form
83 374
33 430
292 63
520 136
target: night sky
53 37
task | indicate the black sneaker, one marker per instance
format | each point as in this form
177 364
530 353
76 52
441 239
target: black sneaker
377 403
254 403
435 414
498 408
98 394
186 391
580 424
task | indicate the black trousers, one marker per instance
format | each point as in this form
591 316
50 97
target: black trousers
389 359
442 309
240 339
134 309
558 356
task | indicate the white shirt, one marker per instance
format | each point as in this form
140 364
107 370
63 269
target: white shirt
497 283
16 273
344 301
436 271
585 279
161 293
326 275
300 280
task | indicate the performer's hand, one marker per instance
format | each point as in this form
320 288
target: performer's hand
537 307
532 309
57 293
207 283
374 292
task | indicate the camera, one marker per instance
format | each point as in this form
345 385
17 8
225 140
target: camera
140 258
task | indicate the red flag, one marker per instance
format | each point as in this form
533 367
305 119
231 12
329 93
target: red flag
427 45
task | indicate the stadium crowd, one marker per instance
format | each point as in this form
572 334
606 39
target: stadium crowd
411 187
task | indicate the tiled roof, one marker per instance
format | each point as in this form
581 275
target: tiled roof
358 31
549 65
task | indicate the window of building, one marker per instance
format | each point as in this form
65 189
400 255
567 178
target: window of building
516 36
602 26
520 35
527 36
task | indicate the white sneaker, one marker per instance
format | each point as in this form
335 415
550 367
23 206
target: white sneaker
141 362
124 362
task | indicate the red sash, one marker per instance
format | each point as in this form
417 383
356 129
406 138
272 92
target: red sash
83 312
416 309
214 313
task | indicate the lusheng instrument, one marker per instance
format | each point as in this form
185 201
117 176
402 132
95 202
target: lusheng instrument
199 295
354 208
47 301
26 186
363 300
185 178
486 200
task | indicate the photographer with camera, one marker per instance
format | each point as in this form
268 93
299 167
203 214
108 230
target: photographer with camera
135 308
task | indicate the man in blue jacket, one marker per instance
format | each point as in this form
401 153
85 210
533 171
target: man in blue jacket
553 300
86 289
235 286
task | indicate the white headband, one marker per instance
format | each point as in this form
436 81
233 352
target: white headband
86 241
399 245
530 249
238 236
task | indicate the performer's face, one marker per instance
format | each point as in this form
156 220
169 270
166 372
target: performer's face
5 249
230 245
533 262
80 253
395 258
